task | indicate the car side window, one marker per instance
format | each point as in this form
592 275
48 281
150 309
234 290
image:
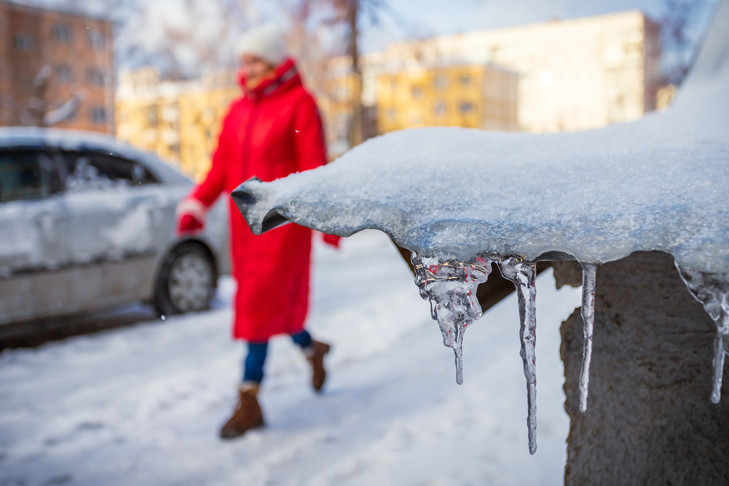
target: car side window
27 174
92 170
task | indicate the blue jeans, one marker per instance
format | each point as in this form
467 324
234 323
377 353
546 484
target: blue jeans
256 357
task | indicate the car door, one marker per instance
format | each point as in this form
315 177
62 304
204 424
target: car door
115 207
33 243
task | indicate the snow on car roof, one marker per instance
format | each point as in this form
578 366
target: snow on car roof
80 140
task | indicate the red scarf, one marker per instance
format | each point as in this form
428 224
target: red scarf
285 76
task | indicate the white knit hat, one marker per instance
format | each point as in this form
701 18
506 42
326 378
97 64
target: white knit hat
265 41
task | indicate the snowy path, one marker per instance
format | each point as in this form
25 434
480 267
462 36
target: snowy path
143 405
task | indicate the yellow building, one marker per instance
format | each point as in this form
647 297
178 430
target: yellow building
335 96
469 95
179 121
573 74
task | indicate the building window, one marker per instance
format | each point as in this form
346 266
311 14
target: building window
416 92
24 42
97 40
441 81
465 79
95 77
64 73
466 107
23 175
152 118
441 108
98 115
170 114
62 33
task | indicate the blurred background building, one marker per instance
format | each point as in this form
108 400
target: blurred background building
547 77
465 95
179 120
56 68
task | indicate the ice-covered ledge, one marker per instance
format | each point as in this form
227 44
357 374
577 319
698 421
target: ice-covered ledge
461 198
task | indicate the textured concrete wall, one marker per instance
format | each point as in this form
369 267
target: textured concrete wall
649 418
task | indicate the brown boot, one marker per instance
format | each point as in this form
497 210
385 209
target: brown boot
315 355
247 415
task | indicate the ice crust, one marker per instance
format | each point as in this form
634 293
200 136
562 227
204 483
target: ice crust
457 192
459 197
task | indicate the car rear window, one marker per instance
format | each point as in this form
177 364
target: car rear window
26 174
92 170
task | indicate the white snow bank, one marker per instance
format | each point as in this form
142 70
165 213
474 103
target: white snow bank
142 405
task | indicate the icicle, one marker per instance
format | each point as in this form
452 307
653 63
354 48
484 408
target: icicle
522 274
458 350
589 273
712 290
450 286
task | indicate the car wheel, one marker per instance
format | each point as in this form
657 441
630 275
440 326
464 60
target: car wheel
186 281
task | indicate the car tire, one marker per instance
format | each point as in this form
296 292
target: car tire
186 282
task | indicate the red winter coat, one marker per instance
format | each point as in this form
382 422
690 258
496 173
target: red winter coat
270 132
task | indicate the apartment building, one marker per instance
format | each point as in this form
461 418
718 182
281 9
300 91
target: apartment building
56 68
573 74
464 95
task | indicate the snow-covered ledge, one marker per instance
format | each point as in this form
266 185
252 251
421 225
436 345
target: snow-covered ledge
460 199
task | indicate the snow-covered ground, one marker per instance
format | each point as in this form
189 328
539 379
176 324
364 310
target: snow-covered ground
142 405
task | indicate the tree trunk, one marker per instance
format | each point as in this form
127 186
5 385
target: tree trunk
356 95
649 418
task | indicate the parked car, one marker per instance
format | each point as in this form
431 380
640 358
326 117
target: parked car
87 222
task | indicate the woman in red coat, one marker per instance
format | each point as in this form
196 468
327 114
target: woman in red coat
274 129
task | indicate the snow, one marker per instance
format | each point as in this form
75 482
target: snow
143 405
459 192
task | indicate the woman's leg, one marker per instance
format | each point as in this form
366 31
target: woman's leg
302 339
248 414
314 351
254 362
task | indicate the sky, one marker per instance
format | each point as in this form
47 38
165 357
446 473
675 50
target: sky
433 17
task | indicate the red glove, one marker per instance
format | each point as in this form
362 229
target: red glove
332 240
187 224
190 217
